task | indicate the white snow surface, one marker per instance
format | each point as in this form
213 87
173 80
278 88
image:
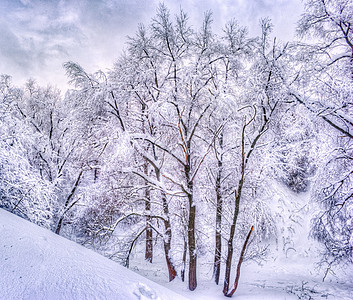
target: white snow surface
36 264
290 271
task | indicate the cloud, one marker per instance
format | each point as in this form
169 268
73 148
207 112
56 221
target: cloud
38 36
12 49
25 2
33 36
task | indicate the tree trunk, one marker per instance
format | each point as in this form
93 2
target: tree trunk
191 230
182 273
244 161
230 246
149 236
167 245
218 249
167 239
236 213
236 281
67 207
219 210
192 247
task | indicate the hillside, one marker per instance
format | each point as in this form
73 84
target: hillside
38 264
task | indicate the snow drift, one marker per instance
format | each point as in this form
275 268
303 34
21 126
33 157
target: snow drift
37 264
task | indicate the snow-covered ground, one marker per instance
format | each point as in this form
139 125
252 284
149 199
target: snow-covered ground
37 264
289 272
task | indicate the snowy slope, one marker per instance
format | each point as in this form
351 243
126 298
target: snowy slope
37 264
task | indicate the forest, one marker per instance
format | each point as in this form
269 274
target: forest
174 150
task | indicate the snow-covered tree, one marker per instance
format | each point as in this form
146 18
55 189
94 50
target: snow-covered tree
326 89
22 188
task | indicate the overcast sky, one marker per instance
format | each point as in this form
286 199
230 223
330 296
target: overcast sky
38 36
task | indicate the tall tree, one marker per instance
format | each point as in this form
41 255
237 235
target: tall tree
325 89
267 92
